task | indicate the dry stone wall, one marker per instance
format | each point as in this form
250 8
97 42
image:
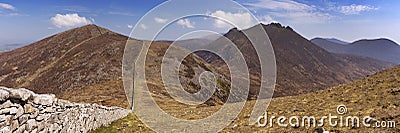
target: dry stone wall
21 110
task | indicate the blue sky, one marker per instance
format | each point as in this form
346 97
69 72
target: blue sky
29 21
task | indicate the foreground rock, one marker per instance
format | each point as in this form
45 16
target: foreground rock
22 110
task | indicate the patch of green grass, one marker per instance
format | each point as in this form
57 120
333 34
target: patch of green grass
128 124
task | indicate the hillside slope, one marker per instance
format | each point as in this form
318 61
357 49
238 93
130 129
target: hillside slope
84 65
376 96
302 66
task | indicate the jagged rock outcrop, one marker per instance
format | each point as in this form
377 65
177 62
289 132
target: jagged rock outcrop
22 110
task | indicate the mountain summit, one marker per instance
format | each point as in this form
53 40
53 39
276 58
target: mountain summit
302 66
84 65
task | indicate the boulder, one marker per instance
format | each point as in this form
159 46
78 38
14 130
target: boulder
31 124
20 111
44 99
4 94
5 111
5 129
23 118
13 110
21 94
6 104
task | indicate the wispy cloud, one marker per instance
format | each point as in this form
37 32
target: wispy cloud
121 13
355 9
143 26
186 23
8 10
7 6
240 20
266 19
74 8
291 10
305 17
13 14
160 20
287 5
69 20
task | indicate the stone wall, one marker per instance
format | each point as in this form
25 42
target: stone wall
22 110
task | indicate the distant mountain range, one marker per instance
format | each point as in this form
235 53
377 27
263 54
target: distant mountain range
336 41
380 49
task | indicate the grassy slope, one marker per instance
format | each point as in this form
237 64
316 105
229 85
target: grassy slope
374 96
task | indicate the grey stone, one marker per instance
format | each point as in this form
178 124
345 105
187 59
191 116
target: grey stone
31 124
40 126
13 110
22 94
40 117
20 111
52 119
20 129
34 113
23 118
54 127
49 110
3 118
60 110
4 95
6 104
3 124
44 99
5 129
15 105
5 111
64 103
14 125
7 119
5 88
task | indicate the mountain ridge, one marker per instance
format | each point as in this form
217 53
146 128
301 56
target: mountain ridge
84 64
380 49
302 66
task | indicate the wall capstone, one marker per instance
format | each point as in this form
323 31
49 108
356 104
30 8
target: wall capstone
22 110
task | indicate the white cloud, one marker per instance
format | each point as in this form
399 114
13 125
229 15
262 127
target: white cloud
7 6
143 26
287 5
130 26
240 20
69 20
305 17
355 9
12 14
292 11
267 19
122 13
160 20
186 23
